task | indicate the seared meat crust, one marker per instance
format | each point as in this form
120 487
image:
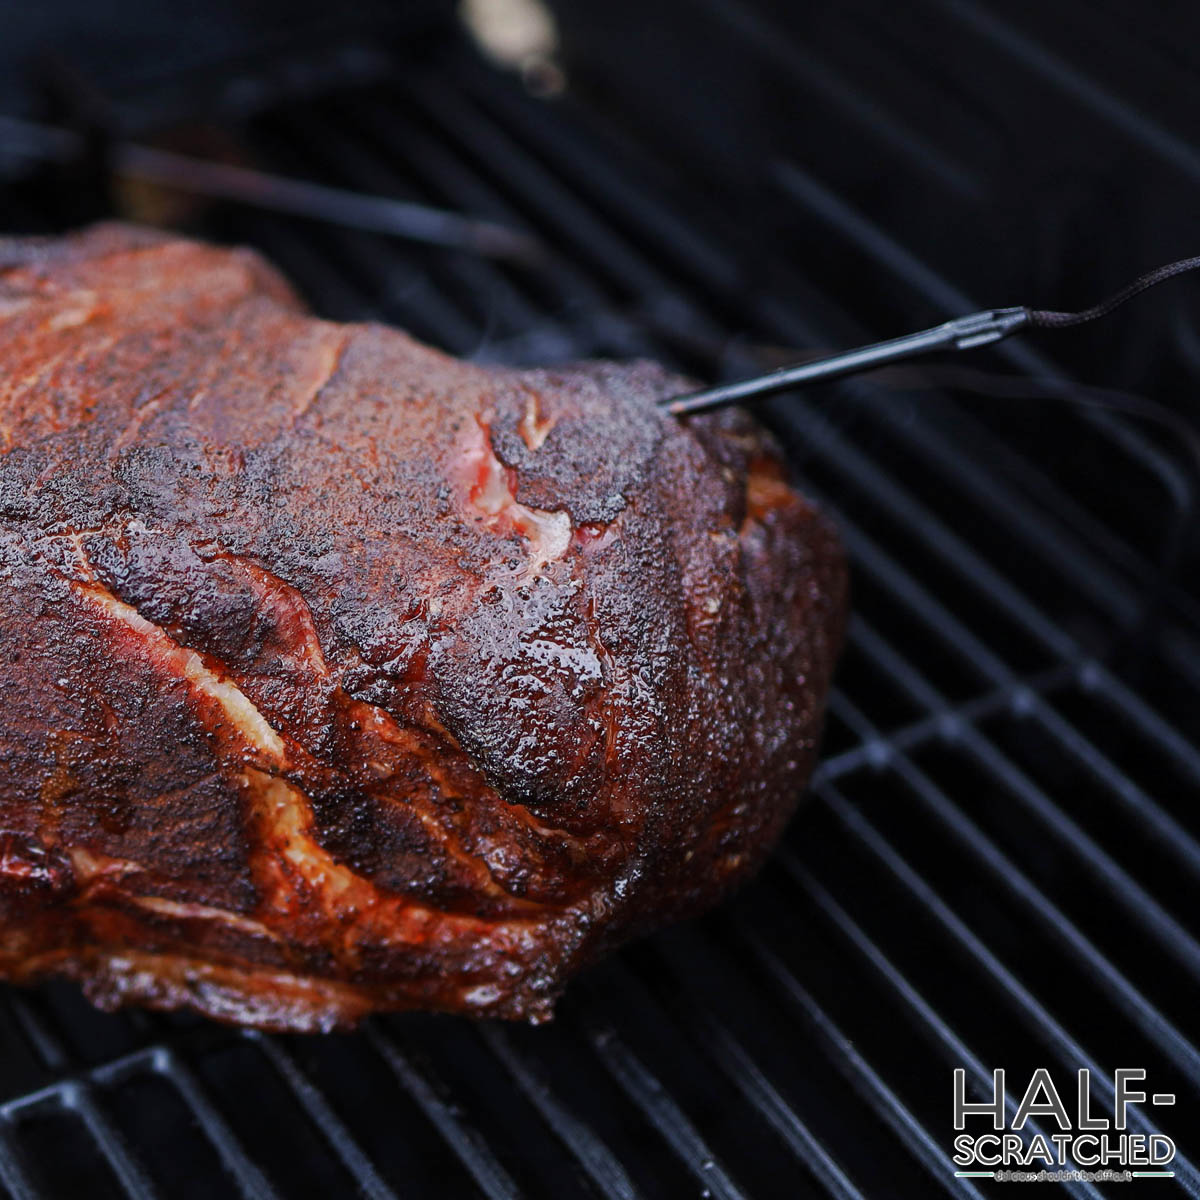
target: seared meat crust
338 675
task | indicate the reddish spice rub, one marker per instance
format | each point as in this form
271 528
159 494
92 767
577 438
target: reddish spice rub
337 675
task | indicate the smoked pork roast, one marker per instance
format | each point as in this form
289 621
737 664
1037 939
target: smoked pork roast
338 675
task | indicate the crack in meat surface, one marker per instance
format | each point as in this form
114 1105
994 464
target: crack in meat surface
490 488
338 675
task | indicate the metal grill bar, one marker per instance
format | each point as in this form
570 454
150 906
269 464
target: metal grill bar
1161 925
318 1108
248 1177
76 1093
875 120
1174 839
1060 551
988 854
640 1085
862 1075
13 1174
397 137
1002 672
329 146
493 146
1044 1026
959 557
602 1166
709 1031
746 1075
936 616
1072 836
1076 83
703 263
878 750
473 1152
81 1099
955 1051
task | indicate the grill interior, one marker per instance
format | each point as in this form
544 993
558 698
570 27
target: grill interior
998 862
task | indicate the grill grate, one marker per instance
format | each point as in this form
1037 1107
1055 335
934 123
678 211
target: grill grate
997 864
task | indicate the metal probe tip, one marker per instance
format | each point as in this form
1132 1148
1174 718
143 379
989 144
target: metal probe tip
963 333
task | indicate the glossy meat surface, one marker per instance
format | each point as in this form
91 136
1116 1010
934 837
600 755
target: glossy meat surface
339 675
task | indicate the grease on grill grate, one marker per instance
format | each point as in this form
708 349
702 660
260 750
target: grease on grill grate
995 865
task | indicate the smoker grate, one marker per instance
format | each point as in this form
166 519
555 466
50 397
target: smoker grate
996 864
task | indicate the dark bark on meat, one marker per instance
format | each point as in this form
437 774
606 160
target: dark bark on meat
337 675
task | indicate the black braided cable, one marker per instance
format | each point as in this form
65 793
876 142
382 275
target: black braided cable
1044 319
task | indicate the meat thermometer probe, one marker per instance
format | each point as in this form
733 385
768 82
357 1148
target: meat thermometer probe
962 333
